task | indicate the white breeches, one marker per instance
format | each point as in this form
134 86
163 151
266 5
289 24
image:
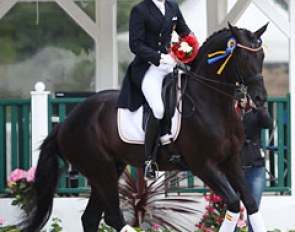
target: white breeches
152 87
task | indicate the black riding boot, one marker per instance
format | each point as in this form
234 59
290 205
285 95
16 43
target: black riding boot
152 136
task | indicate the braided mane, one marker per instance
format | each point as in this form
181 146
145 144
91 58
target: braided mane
209 41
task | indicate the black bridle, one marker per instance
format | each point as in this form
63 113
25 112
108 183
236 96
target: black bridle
241 80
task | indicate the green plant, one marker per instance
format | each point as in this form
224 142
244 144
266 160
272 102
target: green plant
55 227
147 205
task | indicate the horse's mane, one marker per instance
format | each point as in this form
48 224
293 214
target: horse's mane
209 41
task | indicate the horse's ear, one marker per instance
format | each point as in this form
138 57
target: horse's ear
235 31
260 31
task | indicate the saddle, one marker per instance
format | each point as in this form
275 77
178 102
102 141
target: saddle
169 98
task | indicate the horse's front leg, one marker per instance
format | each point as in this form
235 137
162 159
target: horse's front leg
237 180
217 182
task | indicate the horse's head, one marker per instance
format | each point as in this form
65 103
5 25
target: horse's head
249 57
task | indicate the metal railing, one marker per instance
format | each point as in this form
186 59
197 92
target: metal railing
15 139
71 182
15 121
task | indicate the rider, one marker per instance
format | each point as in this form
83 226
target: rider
150 31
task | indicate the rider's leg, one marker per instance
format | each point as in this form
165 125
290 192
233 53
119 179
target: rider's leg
152 90
152 136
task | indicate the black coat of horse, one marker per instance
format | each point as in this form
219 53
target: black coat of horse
209 140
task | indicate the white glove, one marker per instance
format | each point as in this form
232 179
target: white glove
167 59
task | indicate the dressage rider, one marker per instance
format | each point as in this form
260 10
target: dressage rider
150 31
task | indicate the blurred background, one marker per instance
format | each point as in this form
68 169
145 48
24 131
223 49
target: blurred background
40 42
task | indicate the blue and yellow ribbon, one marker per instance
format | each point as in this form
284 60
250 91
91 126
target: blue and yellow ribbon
215 56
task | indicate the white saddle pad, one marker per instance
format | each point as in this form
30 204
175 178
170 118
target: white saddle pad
130 124
131 131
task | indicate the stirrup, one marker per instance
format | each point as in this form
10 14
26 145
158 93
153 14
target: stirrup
148 165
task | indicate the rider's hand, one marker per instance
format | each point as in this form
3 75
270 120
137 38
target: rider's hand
168 59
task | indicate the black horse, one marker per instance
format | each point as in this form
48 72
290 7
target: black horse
209 140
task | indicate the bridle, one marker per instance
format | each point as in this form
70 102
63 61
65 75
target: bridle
242 81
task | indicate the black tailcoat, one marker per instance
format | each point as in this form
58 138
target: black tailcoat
150 34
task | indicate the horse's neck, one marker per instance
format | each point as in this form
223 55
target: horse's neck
210 91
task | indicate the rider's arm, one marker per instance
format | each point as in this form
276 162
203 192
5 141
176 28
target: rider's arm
137 38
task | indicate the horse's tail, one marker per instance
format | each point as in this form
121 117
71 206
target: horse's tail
46 180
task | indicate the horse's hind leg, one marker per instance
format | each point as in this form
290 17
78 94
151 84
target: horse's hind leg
113 214
105 197
216 181
93 212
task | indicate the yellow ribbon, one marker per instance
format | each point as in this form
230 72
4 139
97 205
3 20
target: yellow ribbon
231 45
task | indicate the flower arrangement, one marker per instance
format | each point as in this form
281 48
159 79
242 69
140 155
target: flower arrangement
185 50
214 215
20 184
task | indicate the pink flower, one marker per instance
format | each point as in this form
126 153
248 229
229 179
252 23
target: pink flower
207 197
2 220
156 227
241 224
17 175
216 198
31 174
210 208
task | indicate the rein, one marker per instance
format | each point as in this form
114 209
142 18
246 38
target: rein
242 86
203 81
228 52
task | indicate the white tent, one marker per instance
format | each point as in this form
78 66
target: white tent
276 42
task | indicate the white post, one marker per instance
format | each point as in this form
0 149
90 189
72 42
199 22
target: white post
106 45
39 108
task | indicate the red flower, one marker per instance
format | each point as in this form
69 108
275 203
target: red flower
174 48
190 40
180 54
